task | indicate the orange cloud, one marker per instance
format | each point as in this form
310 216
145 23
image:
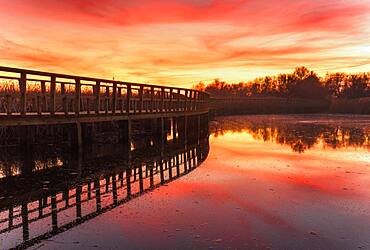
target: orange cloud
181 42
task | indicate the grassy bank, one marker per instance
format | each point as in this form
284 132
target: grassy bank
353 106
267 105
279 105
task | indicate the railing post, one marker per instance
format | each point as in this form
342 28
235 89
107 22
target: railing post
97 97
119 99
133 103
77 96
162 99
106 101
141 93
64 98
195 94
152 99
178 99
186 100
190 100
171 93
195 100
114 99
52 94
43 94
128 98
23 90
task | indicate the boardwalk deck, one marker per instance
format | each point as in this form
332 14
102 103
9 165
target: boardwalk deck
35 97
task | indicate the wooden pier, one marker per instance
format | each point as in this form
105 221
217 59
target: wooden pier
41 100
131 138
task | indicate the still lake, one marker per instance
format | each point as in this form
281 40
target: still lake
267 182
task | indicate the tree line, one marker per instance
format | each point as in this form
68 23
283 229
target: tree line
302 83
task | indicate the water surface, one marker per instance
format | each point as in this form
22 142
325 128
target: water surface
268 182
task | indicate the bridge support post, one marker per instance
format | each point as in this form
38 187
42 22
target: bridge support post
185 129
125 135
129 136
158 130
27 162
174 126
198 127
181 126
207 123
79 136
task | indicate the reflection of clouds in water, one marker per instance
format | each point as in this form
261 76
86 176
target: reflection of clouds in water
299 136
365 158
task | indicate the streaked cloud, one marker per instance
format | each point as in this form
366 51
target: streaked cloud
182 42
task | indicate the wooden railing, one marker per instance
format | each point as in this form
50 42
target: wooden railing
28 92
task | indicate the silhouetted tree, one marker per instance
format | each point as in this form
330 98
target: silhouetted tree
334 83
302 83
357 86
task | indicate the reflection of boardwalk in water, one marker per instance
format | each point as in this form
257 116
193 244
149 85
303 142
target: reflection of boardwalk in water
81 189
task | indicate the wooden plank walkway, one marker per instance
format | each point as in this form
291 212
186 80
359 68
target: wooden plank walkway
36 97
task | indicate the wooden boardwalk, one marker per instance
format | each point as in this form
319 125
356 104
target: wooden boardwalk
157 133
29 97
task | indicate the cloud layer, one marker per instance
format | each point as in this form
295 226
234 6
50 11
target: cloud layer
181 42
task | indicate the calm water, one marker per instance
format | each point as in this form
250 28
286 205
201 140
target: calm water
260 182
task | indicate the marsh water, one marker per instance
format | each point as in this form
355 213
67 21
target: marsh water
256 182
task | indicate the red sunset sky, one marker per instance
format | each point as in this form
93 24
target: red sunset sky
182 42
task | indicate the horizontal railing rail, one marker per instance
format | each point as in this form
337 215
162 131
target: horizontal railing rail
29 92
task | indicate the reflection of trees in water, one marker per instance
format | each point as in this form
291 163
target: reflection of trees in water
301 137
13 161
9 169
